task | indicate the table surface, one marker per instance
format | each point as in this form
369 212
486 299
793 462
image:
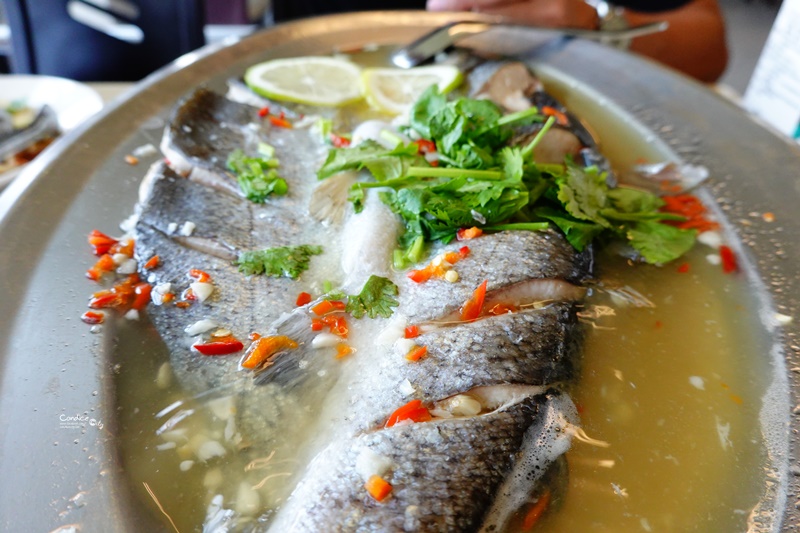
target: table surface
108 91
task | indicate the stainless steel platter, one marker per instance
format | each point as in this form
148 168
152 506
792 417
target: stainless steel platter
59 461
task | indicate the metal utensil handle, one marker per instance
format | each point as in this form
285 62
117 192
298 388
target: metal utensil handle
441 38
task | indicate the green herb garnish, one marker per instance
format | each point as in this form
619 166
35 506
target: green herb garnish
288 261
481 181
376 298
257 176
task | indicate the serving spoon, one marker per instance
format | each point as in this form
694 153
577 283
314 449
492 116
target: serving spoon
426 47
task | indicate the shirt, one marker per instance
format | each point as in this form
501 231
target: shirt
293 9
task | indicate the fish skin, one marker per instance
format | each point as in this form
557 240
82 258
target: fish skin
503 259
227 224
445 474
532 347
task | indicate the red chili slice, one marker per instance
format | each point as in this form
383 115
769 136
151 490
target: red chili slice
302 299
199 275
472 308
280 122
221 346
101 242
339 142
142 292
424 146
91 317
413 410
411 332
464 234
729 261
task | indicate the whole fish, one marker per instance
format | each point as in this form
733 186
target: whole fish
493 414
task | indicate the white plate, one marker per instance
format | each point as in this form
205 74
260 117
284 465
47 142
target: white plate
72 102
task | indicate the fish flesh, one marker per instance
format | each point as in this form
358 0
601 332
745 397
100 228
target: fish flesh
494 389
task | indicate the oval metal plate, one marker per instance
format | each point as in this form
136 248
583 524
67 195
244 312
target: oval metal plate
53 370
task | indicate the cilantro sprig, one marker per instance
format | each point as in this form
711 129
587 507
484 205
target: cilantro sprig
376 298
257 176
481 181
288 261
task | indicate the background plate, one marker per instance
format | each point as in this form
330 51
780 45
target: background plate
73 102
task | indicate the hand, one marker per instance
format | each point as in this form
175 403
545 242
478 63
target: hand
549 13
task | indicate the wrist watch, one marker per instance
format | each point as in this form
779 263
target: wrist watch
611 17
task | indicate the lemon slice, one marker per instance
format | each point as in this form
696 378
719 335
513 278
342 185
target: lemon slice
322 81
393 90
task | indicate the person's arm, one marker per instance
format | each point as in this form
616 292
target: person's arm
694 42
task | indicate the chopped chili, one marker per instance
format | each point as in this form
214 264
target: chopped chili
424 146
683 268
561 118
263 112
417 353
411 332
690 207
729 262
337 324
104 264
338 141
122 247
378 488
325 306
142 295
302 299
280 122
220 346
152 263
264 348
100 242
464 234
438 270
472 308
92 317
413 411
343 350
199 275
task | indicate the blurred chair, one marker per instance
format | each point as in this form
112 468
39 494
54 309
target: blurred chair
101 40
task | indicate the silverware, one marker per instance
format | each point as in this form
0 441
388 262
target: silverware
432 43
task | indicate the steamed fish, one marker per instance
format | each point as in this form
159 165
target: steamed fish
399 403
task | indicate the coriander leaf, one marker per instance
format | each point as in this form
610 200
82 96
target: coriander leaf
628 200
256 176
660 243
289 261
512 162
384 163
428 105
583 193
635 205
376 298
578 233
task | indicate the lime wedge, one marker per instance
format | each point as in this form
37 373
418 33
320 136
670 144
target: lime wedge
322 81
394 90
